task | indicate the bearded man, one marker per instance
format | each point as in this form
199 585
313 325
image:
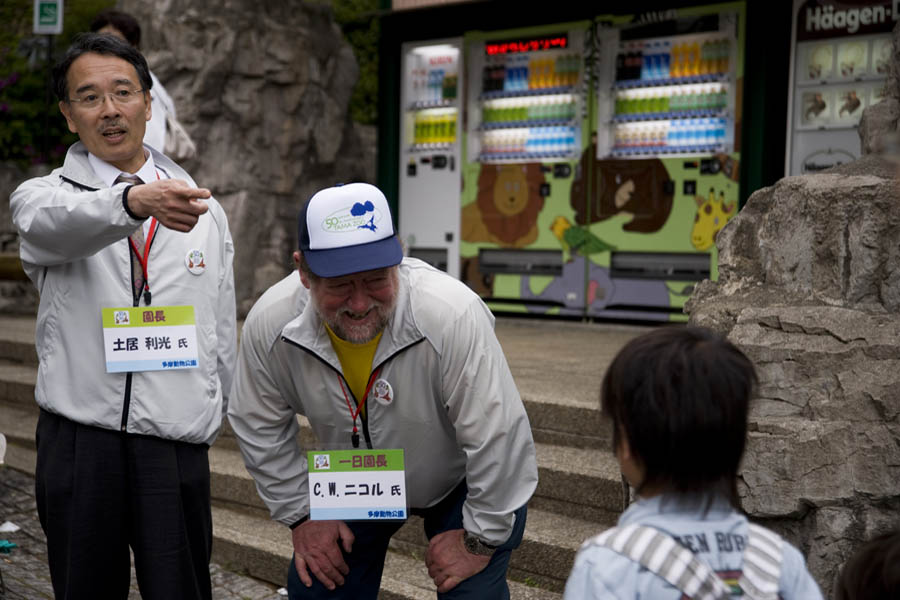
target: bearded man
386 351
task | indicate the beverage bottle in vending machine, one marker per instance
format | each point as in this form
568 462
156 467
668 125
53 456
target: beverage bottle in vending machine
656 61
675 61
508 75
646 63
706 60
694 67
724 51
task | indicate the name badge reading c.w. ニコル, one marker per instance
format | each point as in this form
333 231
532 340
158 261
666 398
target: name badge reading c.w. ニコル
149 338
357 485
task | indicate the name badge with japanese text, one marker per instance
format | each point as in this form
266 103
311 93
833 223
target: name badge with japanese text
158 338
357 485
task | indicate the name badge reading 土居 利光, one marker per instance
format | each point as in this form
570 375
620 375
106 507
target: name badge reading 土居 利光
158 338
357 485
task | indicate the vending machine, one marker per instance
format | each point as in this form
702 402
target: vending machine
526 109
430 161
840 58
661 180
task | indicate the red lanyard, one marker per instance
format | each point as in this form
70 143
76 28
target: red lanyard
354 437
145 257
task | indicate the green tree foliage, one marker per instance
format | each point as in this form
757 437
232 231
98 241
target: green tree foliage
361 26
32 130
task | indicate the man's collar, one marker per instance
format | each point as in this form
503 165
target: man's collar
108 173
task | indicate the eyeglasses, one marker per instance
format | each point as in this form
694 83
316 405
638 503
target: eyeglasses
122 96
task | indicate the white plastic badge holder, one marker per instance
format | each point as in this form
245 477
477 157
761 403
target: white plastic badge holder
357 485
150 338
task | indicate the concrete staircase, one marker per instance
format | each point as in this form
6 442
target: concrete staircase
558 367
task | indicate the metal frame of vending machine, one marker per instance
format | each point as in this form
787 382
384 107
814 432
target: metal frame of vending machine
526 103
840 58
666 176
429 178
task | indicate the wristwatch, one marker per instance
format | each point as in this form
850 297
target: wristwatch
475 546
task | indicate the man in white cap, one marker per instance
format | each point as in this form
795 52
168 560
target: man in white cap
388 353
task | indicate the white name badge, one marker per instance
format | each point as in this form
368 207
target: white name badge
357 485
150 338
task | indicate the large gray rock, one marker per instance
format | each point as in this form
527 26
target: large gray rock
809 288
263 88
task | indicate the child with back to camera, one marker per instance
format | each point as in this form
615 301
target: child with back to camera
678 400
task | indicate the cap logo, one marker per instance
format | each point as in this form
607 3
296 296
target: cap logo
362 215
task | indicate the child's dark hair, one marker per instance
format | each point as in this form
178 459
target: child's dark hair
681 396
873 572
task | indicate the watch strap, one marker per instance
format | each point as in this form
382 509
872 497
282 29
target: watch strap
475 546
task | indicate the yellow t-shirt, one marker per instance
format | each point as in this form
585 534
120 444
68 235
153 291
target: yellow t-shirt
356 363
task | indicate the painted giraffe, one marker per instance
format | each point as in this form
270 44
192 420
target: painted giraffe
712 214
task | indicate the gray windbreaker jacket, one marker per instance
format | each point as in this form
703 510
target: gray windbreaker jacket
456 411
73 244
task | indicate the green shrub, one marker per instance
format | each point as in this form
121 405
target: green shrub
32 130
359 21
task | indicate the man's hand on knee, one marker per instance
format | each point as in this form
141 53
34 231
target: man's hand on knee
316 548
449 562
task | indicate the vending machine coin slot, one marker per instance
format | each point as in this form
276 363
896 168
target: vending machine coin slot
411 169
545 190
439 161
710 166
562 170
690 187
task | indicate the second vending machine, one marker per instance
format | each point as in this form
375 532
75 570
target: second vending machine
526 107
665 169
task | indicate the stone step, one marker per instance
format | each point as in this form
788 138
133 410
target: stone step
257 546
17 339
579 482
262 549
562 400
17 383
558 376
558 421
552 534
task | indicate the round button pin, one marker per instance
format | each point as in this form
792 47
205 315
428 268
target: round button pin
194 261
383 392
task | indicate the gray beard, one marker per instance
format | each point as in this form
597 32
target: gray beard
358 335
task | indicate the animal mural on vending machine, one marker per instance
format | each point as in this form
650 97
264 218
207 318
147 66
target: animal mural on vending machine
505 213
712 215
640 189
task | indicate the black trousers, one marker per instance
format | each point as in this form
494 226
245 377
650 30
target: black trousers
100 491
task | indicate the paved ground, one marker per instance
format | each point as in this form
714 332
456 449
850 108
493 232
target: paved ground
24 570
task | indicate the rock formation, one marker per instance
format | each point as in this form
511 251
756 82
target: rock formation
809 288
263 89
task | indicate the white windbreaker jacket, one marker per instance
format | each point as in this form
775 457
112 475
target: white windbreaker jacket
455 412
74 246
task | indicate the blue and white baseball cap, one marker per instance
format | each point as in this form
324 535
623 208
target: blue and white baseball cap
348 229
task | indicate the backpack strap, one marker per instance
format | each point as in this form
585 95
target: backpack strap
762 564
662 555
